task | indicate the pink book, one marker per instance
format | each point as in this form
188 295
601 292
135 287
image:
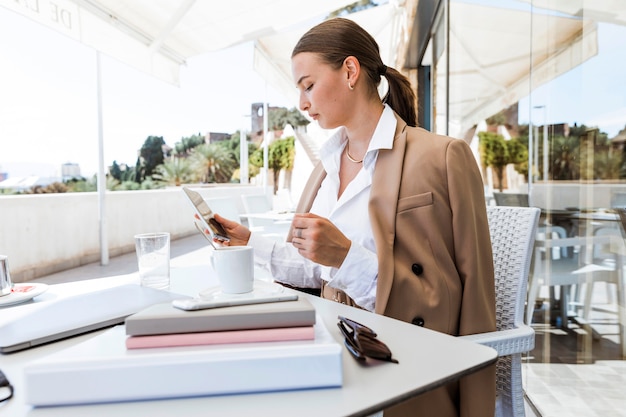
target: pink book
213 338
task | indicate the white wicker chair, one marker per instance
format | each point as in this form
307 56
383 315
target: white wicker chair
512 232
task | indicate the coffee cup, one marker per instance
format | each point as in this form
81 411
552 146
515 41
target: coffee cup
234 266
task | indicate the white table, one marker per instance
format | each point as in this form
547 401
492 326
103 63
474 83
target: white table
427 359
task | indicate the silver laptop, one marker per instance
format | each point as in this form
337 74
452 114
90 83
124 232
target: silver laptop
26 326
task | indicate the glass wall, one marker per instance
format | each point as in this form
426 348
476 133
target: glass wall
538 85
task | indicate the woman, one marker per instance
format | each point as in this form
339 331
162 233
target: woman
393 219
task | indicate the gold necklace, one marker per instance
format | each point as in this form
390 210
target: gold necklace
350 156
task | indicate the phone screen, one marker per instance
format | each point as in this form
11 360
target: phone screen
205 212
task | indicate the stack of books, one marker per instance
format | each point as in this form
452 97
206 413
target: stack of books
165 326
165 352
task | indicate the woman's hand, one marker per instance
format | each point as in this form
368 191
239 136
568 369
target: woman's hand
238 233
319 240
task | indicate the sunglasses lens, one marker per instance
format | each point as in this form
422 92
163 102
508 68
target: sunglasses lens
361 341
347 333
354 350
6 389
374 348
357 327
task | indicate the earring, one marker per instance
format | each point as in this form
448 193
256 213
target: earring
350 86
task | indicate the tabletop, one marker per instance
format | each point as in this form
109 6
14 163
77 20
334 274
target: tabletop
427 359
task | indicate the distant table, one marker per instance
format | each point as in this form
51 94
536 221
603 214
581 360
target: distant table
547 244
427 360
271 224
576 221
270 215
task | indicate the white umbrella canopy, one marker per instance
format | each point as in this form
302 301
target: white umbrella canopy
609 11
157 36
272 53
487 76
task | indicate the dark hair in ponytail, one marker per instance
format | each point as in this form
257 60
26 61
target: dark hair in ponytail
336 39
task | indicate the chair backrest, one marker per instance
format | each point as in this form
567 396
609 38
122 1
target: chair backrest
602 252
553 232
511 199
512 231
225 207
621 211
257 203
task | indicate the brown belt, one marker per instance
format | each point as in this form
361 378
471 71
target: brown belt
334 294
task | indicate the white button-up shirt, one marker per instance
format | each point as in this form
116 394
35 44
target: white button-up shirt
358 274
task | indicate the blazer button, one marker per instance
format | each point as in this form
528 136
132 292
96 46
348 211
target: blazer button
418 321
417 269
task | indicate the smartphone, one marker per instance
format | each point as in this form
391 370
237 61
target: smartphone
191 304
203 211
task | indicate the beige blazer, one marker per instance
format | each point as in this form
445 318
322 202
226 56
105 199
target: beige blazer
429 220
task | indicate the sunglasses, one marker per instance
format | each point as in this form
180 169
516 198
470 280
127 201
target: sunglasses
6 389
362 341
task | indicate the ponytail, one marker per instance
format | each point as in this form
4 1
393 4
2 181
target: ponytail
338 38
400 96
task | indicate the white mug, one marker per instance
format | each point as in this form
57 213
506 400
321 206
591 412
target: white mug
234 266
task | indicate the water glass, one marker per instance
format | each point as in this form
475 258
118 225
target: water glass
153 259
5 277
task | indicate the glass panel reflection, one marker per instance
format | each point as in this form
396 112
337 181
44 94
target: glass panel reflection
535 87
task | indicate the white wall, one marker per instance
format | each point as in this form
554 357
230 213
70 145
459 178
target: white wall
46 233
559 195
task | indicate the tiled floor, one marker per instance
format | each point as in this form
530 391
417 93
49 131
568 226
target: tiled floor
563 387
590 390
570 373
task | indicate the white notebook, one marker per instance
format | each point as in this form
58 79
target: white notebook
29 325
101 369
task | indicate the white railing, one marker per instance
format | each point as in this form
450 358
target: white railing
47 233
559 195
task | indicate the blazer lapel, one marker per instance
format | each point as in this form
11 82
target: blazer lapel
308 194
382 209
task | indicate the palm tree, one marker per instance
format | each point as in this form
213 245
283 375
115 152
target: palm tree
565 157
213 162
498 152
174 171
495 154
281 156
607 165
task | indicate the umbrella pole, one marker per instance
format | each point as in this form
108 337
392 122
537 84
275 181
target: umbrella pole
101 179
265 141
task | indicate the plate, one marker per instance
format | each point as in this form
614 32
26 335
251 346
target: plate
261 290
22 293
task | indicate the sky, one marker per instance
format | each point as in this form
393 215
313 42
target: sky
48 106
601 102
